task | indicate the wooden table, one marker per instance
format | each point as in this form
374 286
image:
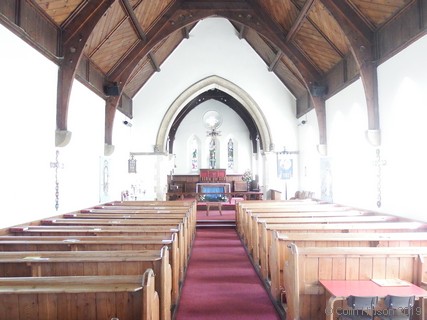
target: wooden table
213 204
341 289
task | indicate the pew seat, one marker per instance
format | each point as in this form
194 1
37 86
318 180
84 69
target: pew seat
93 263
80 297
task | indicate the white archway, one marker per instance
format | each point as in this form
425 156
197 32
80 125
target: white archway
214 82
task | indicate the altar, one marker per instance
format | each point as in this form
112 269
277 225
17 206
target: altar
214 191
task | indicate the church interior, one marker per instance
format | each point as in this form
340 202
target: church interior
232 159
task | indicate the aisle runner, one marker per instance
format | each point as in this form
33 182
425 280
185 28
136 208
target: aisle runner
221 282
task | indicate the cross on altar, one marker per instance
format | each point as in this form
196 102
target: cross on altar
57 165
379 163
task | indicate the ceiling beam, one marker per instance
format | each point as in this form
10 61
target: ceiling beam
299 21
134 20
154 62
268 28
362 46
242 32
163 27
274 62
75 34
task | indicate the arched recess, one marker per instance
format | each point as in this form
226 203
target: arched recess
214 82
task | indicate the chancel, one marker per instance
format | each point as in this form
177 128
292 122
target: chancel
203 94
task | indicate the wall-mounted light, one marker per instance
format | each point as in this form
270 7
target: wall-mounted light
127 123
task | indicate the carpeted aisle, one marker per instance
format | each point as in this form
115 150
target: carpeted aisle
221 282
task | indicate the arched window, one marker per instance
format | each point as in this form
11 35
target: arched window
230 156
194 155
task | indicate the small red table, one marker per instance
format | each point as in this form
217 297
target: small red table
341 289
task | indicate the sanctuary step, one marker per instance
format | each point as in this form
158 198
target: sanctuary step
224 206
216 224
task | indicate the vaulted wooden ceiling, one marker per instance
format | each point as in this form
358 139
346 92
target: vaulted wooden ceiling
315 47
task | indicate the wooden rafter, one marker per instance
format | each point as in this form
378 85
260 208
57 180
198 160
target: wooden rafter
299 21
75 35
274 62
361 40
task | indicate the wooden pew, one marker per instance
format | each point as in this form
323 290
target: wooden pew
191 205
143 231
80 297
263 242
94 243
281 241
256 223
93 263
189 211
138 219
186 232
284 205
306 299
247 218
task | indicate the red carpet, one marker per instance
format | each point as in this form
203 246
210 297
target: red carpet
221 282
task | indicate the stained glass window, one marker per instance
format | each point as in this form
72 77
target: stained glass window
230 154
194 155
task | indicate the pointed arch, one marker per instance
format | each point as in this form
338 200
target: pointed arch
214 82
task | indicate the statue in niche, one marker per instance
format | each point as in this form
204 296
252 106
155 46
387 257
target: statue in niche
212 121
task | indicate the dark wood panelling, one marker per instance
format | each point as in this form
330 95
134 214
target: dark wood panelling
41 30
126 106
399 32
303 105
161 52
88 74
96 77
342 75
266 52
287 77
7 8
144 72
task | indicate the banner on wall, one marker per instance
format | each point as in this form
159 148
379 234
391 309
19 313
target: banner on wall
285 166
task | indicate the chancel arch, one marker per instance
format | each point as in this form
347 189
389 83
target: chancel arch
225 91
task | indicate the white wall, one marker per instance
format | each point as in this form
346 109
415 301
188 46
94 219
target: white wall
27 125
403 111
352 158
214 49
27 137
309 157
